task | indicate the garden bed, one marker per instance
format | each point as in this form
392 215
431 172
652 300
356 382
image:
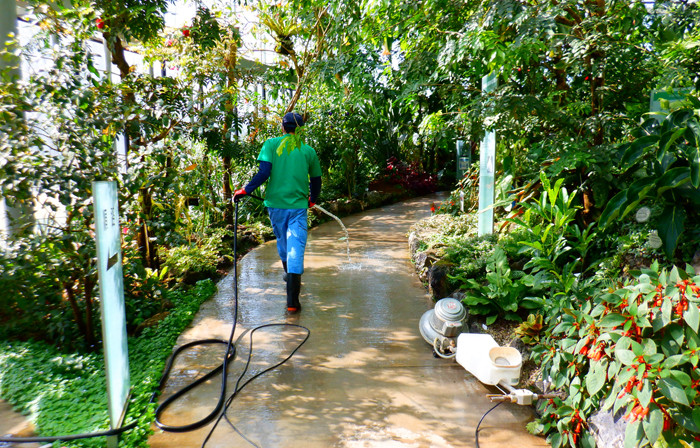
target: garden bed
65 393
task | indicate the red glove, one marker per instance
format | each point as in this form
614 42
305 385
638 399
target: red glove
238 194
311 204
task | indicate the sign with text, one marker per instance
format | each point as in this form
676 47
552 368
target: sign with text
662 101
109 269
464 156
488 167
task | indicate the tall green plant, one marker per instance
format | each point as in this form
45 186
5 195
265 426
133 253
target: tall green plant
662 165
556 246
503 294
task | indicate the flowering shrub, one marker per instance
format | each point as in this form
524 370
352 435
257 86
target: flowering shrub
410 176
467 187
635 349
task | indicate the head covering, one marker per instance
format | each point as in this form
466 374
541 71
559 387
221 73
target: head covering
292 120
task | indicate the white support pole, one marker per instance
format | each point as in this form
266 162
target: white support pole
8 25
111 284
108 61
22 212
8 33
487 167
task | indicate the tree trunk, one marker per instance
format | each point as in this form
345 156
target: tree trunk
77 315
145 247
90 331
295 99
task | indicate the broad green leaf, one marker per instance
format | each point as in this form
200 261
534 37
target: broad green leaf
633 434
587 440
649 347
636 150
685 418
666 308
673 391
682 377
644 395
612 320
613 209
692 316
636 193
627 357
556 440
667 141
596 380
694 156
673 178
695 128
671 227
654 424
675 360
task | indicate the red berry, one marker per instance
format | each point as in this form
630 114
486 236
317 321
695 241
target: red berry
100 23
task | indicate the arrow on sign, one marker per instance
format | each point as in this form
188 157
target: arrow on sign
112 261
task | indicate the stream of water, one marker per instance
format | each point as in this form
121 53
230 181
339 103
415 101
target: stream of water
347 236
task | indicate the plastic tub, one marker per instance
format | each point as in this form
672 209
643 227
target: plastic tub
487 361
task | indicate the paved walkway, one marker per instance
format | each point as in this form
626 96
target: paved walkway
365 378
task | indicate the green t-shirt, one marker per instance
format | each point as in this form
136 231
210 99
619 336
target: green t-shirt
288 186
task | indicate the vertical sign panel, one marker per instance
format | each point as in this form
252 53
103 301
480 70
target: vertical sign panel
109 268
487 167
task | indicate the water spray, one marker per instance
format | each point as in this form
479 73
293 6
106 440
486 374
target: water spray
347 237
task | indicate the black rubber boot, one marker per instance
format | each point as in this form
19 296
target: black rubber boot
293 289
284 265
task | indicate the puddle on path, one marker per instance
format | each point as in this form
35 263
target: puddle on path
365 377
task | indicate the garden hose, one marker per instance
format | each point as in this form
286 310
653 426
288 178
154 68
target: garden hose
223 404
476 434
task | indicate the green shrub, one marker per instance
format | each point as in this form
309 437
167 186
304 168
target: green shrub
635 349
469 256
64 393
198 257
504 292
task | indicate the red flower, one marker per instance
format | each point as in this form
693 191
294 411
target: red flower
667 423
186 31
100 23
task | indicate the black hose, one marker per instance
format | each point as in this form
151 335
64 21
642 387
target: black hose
222 405
476 434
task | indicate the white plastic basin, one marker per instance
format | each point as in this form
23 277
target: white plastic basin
487 361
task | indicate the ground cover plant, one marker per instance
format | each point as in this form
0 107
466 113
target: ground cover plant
45 382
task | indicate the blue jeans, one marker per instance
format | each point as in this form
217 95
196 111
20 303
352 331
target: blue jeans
290 228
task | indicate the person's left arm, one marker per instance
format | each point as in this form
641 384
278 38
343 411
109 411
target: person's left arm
264 171
263 174
314 179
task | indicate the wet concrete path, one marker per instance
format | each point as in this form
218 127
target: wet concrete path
365 378
14 424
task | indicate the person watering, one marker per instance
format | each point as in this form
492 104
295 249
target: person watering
295 183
